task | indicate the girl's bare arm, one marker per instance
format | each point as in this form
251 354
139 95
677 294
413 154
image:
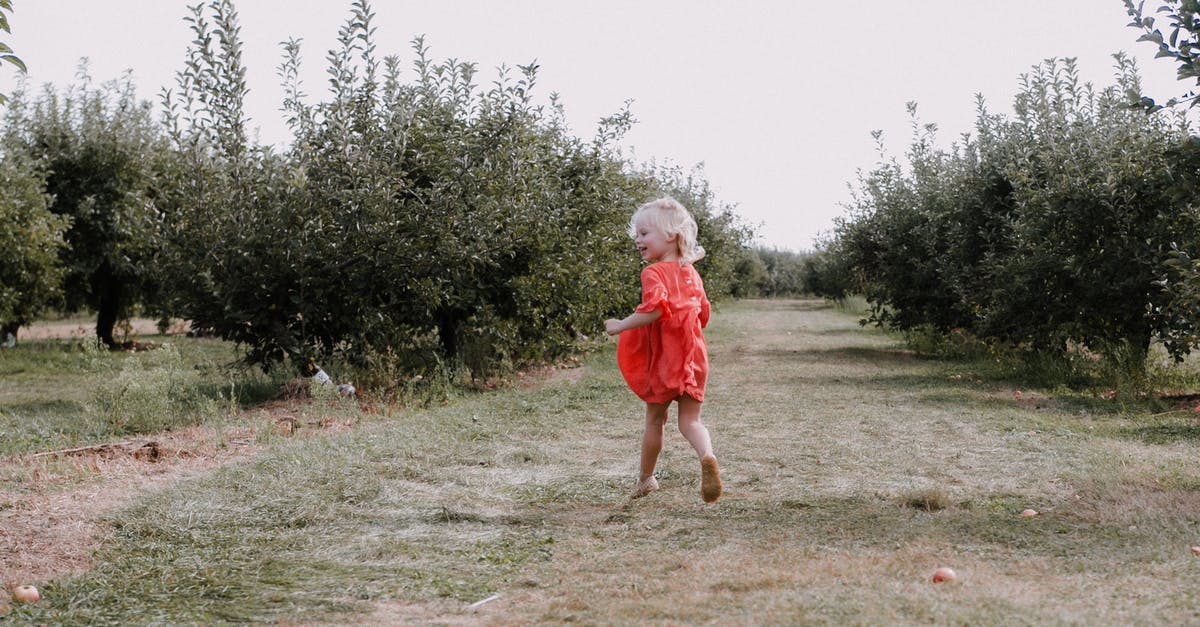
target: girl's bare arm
613 326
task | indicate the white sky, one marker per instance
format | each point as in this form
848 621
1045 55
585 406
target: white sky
777 98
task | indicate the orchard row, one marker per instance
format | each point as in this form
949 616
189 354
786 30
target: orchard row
408 225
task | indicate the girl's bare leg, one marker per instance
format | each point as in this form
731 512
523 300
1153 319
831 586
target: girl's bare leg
697 435
691 427
652 443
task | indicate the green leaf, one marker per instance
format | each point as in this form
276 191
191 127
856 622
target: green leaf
15 61
1154 36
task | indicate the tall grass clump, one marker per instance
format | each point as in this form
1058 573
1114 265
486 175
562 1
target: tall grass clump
151 393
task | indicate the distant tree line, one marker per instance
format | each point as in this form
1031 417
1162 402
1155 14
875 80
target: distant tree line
774 273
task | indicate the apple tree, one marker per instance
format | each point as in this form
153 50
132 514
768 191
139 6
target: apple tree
30 243
424 222
97 147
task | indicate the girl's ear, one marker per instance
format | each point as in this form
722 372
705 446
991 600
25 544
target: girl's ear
672 237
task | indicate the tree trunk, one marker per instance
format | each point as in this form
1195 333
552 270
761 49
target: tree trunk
108 308
448 325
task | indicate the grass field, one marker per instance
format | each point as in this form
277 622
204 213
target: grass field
852 469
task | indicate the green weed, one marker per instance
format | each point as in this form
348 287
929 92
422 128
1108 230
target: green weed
150 394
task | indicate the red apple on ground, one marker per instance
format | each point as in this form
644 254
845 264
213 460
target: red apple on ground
1196 551
26 594
944 574
1029 512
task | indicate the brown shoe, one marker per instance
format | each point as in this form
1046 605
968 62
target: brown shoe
710 480
645 487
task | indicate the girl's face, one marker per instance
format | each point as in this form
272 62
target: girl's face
654 245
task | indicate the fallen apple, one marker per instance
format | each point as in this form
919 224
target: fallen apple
1029 512
944 574
26 594
1196 551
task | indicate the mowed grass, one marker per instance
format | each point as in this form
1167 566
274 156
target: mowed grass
852 469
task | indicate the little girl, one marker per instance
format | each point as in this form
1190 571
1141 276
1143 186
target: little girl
661 350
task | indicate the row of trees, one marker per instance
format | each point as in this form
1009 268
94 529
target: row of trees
771 272
1063 225
423 221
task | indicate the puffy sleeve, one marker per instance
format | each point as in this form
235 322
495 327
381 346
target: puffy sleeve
654 293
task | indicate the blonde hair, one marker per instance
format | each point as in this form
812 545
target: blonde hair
669 216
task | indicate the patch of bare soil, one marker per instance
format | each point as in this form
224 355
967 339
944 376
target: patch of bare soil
51 517
1183 402
1026 400
567 370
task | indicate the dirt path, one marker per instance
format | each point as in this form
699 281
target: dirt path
853 470
77 328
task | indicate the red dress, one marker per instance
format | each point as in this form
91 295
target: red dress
668 358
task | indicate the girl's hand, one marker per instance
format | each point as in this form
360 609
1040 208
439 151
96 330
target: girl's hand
612 326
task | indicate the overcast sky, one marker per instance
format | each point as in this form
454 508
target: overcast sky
777 98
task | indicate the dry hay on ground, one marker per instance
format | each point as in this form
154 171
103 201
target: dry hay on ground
51 510
67 330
